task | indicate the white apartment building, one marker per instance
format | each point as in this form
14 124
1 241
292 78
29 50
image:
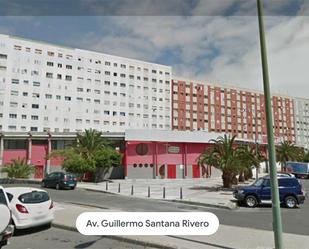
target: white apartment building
301 110
45 87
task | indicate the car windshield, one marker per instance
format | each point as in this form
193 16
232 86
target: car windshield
70 176
33 197
258 182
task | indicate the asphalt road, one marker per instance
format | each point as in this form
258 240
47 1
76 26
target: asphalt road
54 238
294 220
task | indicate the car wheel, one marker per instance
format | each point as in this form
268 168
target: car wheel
72 188
290 202
57 186
251 201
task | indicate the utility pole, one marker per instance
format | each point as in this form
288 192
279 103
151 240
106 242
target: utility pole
277 224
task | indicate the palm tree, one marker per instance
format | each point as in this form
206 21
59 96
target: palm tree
286 151
89 142
249 156
18 168
223 155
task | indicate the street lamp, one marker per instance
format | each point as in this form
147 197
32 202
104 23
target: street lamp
277 224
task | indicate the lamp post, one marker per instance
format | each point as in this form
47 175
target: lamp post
277 224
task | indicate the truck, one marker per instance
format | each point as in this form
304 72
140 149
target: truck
299 169
6 227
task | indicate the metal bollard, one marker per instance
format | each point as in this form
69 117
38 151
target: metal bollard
119 188
180 193
148 191
132 190
163 192
106 186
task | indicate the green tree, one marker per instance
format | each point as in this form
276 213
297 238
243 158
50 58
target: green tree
75 163
105 159
306 157
90 153
223 156
89 142
249 155
286 151
19 169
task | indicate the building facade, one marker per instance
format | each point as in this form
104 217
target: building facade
302 122
49 88
240 112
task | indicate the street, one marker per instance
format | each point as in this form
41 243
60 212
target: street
55 238
294 220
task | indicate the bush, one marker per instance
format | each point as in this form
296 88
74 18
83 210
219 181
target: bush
18 169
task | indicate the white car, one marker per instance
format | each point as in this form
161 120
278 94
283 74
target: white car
30 207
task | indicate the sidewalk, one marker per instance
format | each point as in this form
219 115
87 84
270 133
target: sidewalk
228 237
206 192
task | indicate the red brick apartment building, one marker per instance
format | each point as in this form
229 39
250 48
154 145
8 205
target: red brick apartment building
222 109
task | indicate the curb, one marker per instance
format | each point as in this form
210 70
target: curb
15 181
231 206
118 238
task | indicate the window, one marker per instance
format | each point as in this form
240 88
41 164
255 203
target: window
107 83
50 64
58 97
35 95
25 94
67 98
59 76
107 63
14 93
68 78
141 149
122 114
3 56
35 106
106 112
38 51
50 53
16 47
123 66
23 116
97 91
68 67
107 73
80 89
33 128
15 81
59 65
35 83
49 75
34 117
48 96
14 116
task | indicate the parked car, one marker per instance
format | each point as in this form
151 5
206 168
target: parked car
30 207
6 228
60 180
291 192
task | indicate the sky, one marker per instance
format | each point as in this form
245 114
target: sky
207 41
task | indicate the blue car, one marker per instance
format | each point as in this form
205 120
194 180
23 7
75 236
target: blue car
60 180
291 192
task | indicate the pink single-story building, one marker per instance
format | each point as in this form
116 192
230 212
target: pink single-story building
147 154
